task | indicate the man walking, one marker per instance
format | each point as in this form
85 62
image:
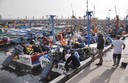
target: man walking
117 44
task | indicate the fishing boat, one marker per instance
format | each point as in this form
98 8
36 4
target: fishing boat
4 39
17 36
17 59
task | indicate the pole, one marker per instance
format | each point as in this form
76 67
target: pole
108 22
127 18
126 23
87 4
88 13
89 26
52 21
109 19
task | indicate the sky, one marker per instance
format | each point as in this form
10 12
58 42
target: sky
13 9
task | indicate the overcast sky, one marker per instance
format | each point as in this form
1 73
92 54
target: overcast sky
39 8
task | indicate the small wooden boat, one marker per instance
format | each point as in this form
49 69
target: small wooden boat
17 59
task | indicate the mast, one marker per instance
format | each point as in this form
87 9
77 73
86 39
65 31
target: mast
127 18
88 13
87 4
52 22
73 20
115 11
116 20
72 11
94 11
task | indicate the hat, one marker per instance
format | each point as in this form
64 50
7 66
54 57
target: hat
67 56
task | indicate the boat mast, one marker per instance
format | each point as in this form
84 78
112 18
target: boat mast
72 11
52 22
94 11
115 11
117 20
88 13
87 4
73 20
127 18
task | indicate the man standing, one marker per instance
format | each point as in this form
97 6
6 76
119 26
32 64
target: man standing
100 47
117 44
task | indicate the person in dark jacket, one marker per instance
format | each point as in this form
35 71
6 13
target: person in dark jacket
100 47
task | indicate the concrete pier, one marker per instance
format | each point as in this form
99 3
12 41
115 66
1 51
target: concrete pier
104 73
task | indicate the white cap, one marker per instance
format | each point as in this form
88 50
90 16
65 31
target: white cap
67 56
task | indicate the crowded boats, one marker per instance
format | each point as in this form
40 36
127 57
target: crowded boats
41 46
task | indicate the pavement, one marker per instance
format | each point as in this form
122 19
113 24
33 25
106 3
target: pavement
104 73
